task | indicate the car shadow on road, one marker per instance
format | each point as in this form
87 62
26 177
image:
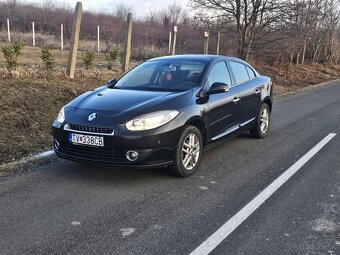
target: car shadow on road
108 174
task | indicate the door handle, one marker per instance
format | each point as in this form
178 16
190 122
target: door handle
236 100
257 91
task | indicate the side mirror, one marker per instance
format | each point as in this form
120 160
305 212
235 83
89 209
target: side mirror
111 82
218 87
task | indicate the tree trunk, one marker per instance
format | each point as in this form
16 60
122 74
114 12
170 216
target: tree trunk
303 53
244 46
291 58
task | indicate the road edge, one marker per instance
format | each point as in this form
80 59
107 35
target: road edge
11 168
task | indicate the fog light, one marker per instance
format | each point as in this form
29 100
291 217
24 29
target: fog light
132 155
56 144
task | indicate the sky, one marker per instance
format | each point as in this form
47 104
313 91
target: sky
140 7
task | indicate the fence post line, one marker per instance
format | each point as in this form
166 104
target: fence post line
8 31
218 43
127 49
169 42
72 55
62 36
33 33
206 42
98 40
173 42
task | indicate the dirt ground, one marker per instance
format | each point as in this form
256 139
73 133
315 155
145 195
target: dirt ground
292 78
29 103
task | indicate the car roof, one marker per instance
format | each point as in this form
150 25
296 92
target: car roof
198 57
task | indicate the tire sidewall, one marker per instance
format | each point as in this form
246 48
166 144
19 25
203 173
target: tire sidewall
258 120
178 166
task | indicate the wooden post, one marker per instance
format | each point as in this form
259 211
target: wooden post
218 43
98 42
72 55
127 50
8 31
173 42
33 32
62 36
170 42
206 42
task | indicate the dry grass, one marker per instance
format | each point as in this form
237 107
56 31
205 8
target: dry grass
54 41
139 52
31 58
291 78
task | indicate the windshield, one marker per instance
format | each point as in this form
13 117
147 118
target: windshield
163 75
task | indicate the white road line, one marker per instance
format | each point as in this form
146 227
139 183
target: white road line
223 232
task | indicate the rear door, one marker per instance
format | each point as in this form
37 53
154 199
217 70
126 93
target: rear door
249 91
222 111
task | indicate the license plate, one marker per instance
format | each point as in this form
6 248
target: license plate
86 139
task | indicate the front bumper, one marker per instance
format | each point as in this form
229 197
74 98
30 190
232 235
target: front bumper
155 148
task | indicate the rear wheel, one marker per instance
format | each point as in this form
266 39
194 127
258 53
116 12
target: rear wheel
188 152
261 127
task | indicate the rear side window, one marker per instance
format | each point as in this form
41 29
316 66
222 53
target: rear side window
240 72
250 72
219 73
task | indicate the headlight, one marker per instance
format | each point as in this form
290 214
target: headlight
61 116
151 120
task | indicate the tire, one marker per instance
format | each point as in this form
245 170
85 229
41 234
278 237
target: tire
261 127
186 163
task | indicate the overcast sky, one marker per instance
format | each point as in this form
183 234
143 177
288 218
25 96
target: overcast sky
140 7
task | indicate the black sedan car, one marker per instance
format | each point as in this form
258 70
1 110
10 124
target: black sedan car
165 112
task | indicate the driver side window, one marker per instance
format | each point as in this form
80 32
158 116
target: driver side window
219 73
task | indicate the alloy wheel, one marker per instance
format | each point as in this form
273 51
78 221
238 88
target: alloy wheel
190 151
264 120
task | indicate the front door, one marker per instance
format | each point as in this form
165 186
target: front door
222 107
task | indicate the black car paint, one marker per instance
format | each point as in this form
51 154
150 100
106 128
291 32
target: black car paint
216 115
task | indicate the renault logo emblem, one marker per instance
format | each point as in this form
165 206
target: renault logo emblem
92 116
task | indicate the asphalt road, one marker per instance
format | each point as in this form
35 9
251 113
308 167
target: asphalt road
69 208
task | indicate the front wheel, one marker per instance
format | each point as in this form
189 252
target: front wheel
261 127
188 152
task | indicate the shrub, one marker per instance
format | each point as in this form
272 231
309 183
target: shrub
12 54
18 47
47 58
88 59
113 55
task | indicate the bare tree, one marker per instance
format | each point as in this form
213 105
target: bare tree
173 14
312 25
331 21
249 16
122 11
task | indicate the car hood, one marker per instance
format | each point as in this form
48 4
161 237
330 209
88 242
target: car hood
119 101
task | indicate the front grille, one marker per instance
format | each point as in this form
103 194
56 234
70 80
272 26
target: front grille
109 155
99 130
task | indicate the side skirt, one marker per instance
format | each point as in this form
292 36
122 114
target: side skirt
229 133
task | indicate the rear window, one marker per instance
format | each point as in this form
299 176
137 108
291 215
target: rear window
240 72
250 72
